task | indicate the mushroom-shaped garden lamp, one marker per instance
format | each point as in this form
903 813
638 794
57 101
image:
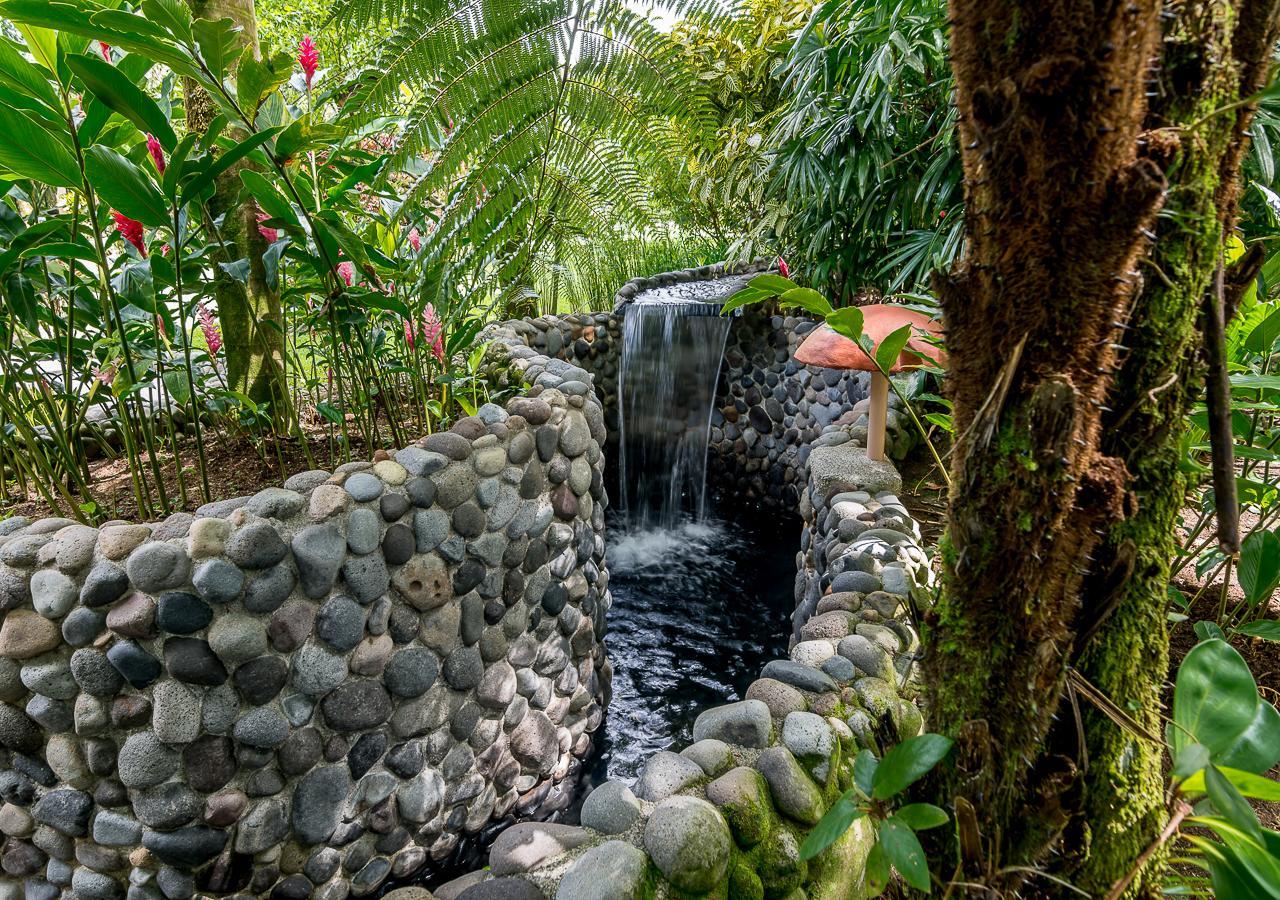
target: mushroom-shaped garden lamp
825 347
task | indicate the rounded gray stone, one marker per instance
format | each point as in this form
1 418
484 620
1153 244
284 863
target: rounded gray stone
256 546
664 774
316 671
237 638
157 566
611 808
362 530
746 723
411 672
340 623
689 842
218 581
144 761
52 593
363 486
261 727
614 870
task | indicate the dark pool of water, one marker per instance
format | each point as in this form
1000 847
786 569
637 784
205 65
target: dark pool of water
697 612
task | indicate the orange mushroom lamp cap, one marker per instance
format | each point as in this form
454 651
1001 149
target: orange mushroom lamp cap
830 350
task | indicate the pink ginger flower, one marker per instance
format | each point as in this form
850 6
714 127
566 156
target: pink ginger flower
784 268
270 234
433 331
347 272
209 327
415 239
105 49
408 333
164 249
308 58
156 151
130 230
105 374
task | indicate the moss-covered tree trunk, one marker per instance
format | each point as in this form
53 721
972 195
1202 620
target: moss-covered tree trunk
1213 54
249 313
1073 359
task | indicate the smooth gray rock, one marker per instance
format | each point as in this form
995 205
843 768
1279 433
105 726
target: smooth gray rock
665 773
688 840
614 870
746 723
528 845
156 566
611 808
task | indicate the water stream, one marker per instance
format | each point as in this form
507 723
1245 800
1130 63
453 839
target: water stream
701 597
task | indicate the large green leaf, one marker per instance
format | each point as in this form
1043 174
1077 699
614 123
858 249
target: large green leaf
902 849
121 95
891 348
1250 784
864 770
843 813
1260 565
25 77
806 298
217 165
907 762
273 203
1267 629
124 186
1264 334
121 29
1257 749
218 42
847 322
922 816
256 78
29 151
173 15
1229 802
1215 698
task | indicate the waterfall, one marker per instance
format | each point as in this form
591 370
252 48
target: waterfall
672 346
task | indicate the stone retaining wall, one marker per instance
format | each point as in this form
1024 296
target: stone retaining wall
725 816
309 691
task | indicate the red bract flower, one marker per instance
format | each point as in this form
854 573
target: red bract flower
942 215
105 49
347 272
433 331
415 239
209 326
130 230
784 268
270 234
408 333
308 58
157 152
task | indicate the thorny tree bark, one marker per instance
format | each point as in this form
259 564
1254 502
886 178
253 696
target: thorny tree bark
1070 369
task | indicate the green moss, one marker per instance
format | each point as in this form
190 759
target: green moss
744 883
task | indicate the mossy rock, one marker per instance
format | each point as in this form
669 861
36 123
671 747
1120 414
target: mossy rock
744 883
742 796
779 865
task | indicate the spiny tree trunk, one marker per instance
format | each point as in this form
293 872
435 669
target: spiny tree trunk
1070 374
1051 102
249 314
1213 55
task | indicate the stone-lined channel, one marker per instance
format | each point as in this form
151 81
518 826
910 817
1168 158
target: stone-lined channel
697 612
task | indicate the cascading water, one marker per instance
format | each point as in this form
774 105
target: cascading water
699 603
672 344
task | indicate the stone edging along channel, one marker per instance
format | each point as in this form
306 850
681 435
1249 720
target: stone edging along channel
324 686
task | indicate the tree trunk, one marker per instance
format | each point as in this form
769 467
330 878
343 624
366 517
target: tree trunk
1213 56
1071 373
249 314
1051 102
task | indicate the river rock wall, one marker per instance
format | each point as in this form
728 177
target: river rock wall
308 691
726 816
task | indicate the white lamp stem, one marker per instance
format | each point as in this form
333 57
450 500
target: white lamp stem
877 416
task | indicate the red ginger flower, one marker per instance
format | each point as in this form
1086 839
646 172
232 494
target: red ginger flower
347 272
408 333
209 326
105 49
784 268
156 151
308 58
415 239
433 331
130 230
270 234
